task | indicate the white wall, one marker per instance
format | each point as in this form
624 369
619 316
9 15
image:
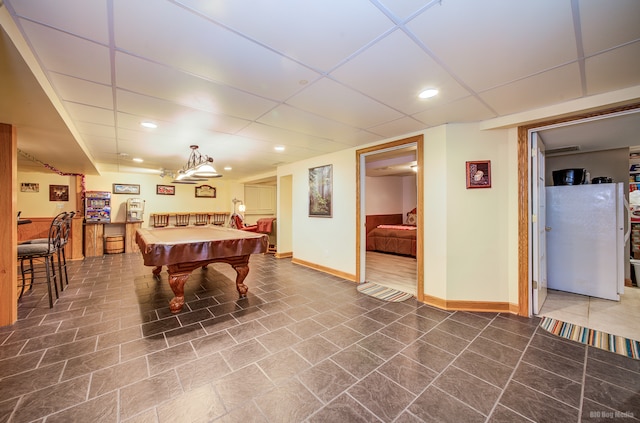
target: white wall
328 242
384 195
466 231
390 194
477 219
38 204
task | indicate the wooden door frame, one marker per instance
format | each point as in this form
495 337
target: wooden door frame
418 141
524 257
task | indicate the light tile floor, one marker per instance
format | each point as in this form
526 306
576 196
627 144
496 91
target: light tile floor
617 318
303 346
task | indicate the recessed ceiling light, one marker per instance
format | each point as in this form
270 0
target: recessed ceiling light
137 160
428 93
227 168
279 148
148 124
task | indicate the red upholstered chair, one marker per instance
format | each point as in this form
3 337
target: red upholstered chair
237 223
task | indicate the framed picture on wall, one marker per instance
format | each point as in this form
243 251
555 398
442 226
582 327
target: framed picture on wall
321 191
205 191
479 174
58 192
126 189
165 190
29 187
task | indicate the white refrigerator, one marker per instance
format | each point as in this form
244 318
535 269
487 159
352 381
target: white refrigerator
586 239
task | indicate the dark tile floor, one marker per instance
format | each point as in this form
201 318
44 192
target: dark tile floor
304 346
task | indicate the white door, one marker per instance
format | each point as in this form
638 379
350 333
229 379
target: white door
539 229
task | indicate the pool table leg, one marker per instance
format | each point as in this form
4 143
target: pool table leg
177 281
242 271
156 270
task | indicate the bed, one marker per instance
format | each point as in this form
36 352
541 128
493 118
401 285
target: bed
389 233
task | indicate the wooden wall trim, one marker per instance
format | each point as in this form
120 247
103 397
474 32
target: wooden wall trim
360 225
8 225
334 272
482 306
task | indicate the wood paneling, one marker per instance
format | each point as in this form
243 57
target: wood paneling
93 240
8 225
130 245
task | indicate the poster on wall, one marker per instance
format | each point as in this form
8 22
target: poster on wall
321 191
58 192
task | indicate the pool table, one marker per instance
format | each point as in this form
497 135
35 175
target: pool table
184 249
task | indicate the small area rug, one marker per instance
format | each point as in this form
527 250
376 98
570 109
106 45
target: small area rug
595 338
383 293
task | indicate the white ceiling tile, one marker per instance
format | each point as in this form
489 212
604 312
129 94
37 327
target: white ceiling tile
81 91
205 49
352 108
143 108
318 33
293 119
158 81
402 71
403 125
84 113
84 18
289 138
604 26
92 129
555 86
403 9
468 109
613 70
490 42
66 54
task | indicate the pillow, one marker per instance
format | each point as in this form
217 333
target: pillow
412 219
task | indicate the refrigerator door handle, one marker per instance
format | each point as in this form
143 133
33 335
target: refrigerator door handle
628 233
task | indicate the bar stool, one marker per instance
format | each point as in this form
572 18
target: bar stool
160 220
42 252
64 240
202 219
219 219
182 219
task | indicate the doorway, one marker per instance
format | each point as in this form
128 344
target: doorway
361 209
526 140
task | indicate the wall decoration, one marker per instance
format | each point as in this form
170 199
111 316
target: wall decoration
205 191
479 174
29 187
126 189
321 191
165 189
58 192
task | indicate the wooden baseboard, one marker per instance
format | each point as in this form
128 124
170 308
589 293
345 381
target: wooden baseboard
283 255
463 305
324 269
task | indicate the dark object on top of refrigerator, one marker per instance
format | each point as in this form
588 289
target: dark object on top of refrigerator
569 176
601 180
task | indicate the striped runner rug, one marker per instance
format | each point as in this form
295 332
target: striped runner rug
383 293
595 338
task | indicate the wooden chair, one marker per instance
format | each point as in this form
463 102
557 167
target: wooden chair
219 219
182 219
160 220
202 219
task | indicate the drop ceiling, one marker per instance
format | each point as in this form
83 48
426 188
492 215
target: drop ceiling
241 77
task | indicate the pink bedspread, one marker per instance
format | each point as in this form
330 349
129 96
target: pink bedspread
399 227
